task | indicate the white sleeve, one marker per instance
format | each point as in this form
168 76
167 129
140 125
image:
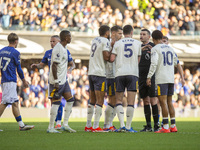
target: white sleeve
106 45
140 49
154 63
56 54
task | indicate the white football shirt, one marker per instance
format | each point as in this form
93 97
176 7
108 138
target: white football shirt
163 60
97 62
127 51
60 56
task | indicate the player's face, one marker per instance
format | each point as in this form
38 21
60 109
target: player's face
119 35
144 36
108 34
165 41
54 41
69 38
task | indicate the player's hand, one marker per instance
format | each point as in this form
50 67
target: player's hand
183 82
34 65
149 46
148 82
56 86
25 83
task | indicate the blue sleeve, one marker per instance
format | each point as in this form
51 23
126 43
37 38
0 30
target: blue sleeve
45 58
69 56
18 64
177 58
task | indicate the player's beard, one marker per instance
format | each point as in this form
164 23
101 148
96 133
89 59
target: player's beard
108 37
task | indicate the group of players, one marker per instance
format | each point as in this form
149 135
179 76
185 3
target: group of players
120 63
115 64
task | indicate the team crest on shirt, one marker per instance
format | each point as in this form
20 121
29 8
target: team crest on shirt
58 55
147 56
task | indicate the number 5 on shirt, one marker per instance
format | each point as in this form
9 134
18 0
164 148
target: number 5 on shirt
128 50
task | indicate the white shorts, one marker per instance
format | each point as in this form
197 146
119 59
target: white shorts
9 93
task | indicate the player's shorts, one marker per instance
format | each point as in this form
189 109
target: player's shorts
165 89
145 90
111 87
64 88
9 93
130 82
97 83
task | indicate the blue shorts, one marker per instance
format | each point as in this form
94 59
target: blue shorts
97 83
64 88
111 87
165 89
129 82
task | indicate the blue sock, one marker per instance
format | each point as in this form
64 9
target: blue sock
158 118
59 115
19 118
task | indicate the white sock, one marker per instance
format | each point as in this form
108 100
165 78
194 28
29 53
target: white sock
97 115
120 114
166 126
58 122
53 114
108 115
129 116
90 112
112 117
173 125
21 123
67 112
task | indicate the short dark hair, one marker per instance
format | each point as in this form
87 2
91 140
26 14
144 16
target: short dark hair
103 29
12 37
64 34
116 28
127 29
146 31
157 35
55 36
165 37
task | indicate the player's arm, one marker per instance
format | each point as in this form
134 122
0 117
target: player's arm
113 53
139 54
106 50
42 63
19 70
152 69
71 64
56 59
180 69
39 65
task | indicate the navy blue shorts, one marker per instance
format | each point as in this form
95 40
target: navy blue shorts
111 87
129 82
165 89
97 83
64 88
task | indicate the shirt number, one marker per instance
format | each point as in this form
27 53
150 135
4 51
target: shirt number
168 58
6 64
126 49
94 47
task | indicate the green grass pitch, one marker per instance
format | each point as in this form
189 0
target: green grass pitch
187 137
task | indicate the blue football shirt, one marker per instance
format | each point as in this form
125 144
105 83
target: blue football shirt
9 62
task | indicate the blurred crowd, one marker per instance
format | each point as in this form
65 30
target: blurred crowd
36 95
172 17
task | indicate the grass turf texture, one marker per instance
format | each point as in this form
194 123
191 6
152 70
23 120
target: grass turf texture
188 137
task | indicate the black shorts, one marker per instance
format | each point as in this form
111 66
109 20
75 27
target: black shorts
129 82
145 90
97 83
111 87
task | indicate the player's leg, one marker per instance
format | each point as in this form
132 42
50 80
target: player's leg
120 88
90 108
132 86
59 117
2 108
130 110
154 106
68 107
109 111
171 108
162 96
55 102
159 111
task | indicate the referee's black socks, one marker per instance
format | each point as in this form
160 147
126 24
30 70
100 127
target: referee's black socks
147 113
155 114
